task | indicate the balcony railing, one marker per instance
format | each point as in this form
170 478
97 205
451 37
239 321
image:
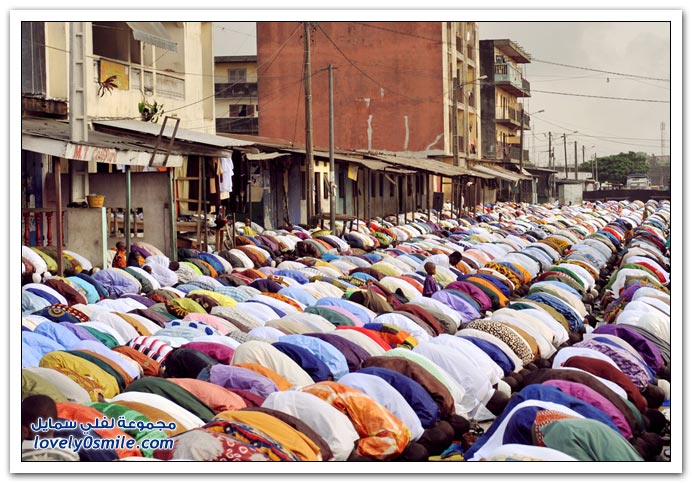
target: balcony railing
238 125
505 113
510 77
36 222
237 89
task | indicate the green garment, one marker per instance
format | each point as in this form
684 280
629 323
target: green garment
33 384
174 393
588 440
332 316
147 287
116 411
106 339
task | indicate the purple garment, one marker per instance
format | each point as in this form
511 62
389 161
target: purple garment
626 362
629 290
588 395
429 286
464 309
116 283
355 309
144 253
475 292
140 298
647 349
80 332
220 352
355 355
234 377
266 285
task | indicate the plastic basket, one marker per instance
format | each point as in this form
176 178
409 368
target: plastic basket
95 201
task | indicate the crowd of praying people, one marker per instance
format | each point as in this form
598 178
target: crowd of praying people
513 332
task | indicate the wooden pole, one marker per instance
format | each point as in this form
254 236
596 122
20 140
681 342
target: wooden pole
310 166
58 213
172 215
128 207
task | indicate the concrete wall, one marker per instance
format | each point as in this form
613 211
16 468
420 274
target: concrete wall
401 112
570 192
149 192
85 233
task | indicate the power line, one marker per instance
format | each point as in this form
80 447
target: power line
601 97
599 70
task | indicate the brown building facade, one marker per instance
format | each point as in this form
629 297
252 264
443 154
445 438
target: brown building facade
392 84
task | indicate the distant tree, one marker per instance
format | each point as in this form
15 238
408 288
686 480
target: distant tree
615 168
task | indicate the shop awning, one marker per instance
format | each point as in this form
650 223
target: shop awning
187 135
52 137
501 173
264 156
425 164
153 33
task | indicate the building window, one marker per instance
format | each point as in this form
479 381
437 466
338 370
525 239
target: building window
114 40
237 75
241 110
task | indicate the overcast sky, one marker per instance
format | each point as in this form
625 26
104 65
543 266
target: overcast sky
604 126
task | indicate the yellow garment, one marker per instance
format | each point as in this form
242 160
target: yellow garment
223 300
141 329
91 377
248 231
291 439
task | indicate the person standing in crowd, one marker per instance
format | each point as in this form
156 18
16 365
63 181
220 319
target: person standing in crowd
247 229
430 285
120 259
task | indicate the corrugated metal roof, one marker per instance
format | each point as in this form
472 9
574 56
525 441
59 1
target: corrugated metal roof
186 135
264 156
52 137
500 173
424 164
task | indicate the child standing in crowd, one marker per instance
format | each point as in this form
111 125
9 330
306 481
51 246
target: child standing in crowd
430 285
120 259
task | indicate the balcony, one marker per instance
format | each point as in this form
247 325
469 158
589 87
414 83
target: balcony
238 125
507 116
235 90
527 122
509 77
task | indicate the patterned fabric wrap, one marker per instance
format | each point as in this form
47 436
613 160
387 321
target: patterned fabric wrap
203 445
62 313
543 418
272 449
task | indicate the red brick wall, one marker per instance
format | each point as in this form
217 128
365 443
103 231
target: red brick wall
395 75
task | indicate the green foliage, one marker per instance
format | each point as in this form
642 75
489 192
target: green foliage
615 168
150 112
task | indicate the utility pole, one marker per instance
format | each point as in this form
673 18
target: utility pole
595 161
332 185
583 153
564 142
310 163
455 128
521 150
550 150
575 160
